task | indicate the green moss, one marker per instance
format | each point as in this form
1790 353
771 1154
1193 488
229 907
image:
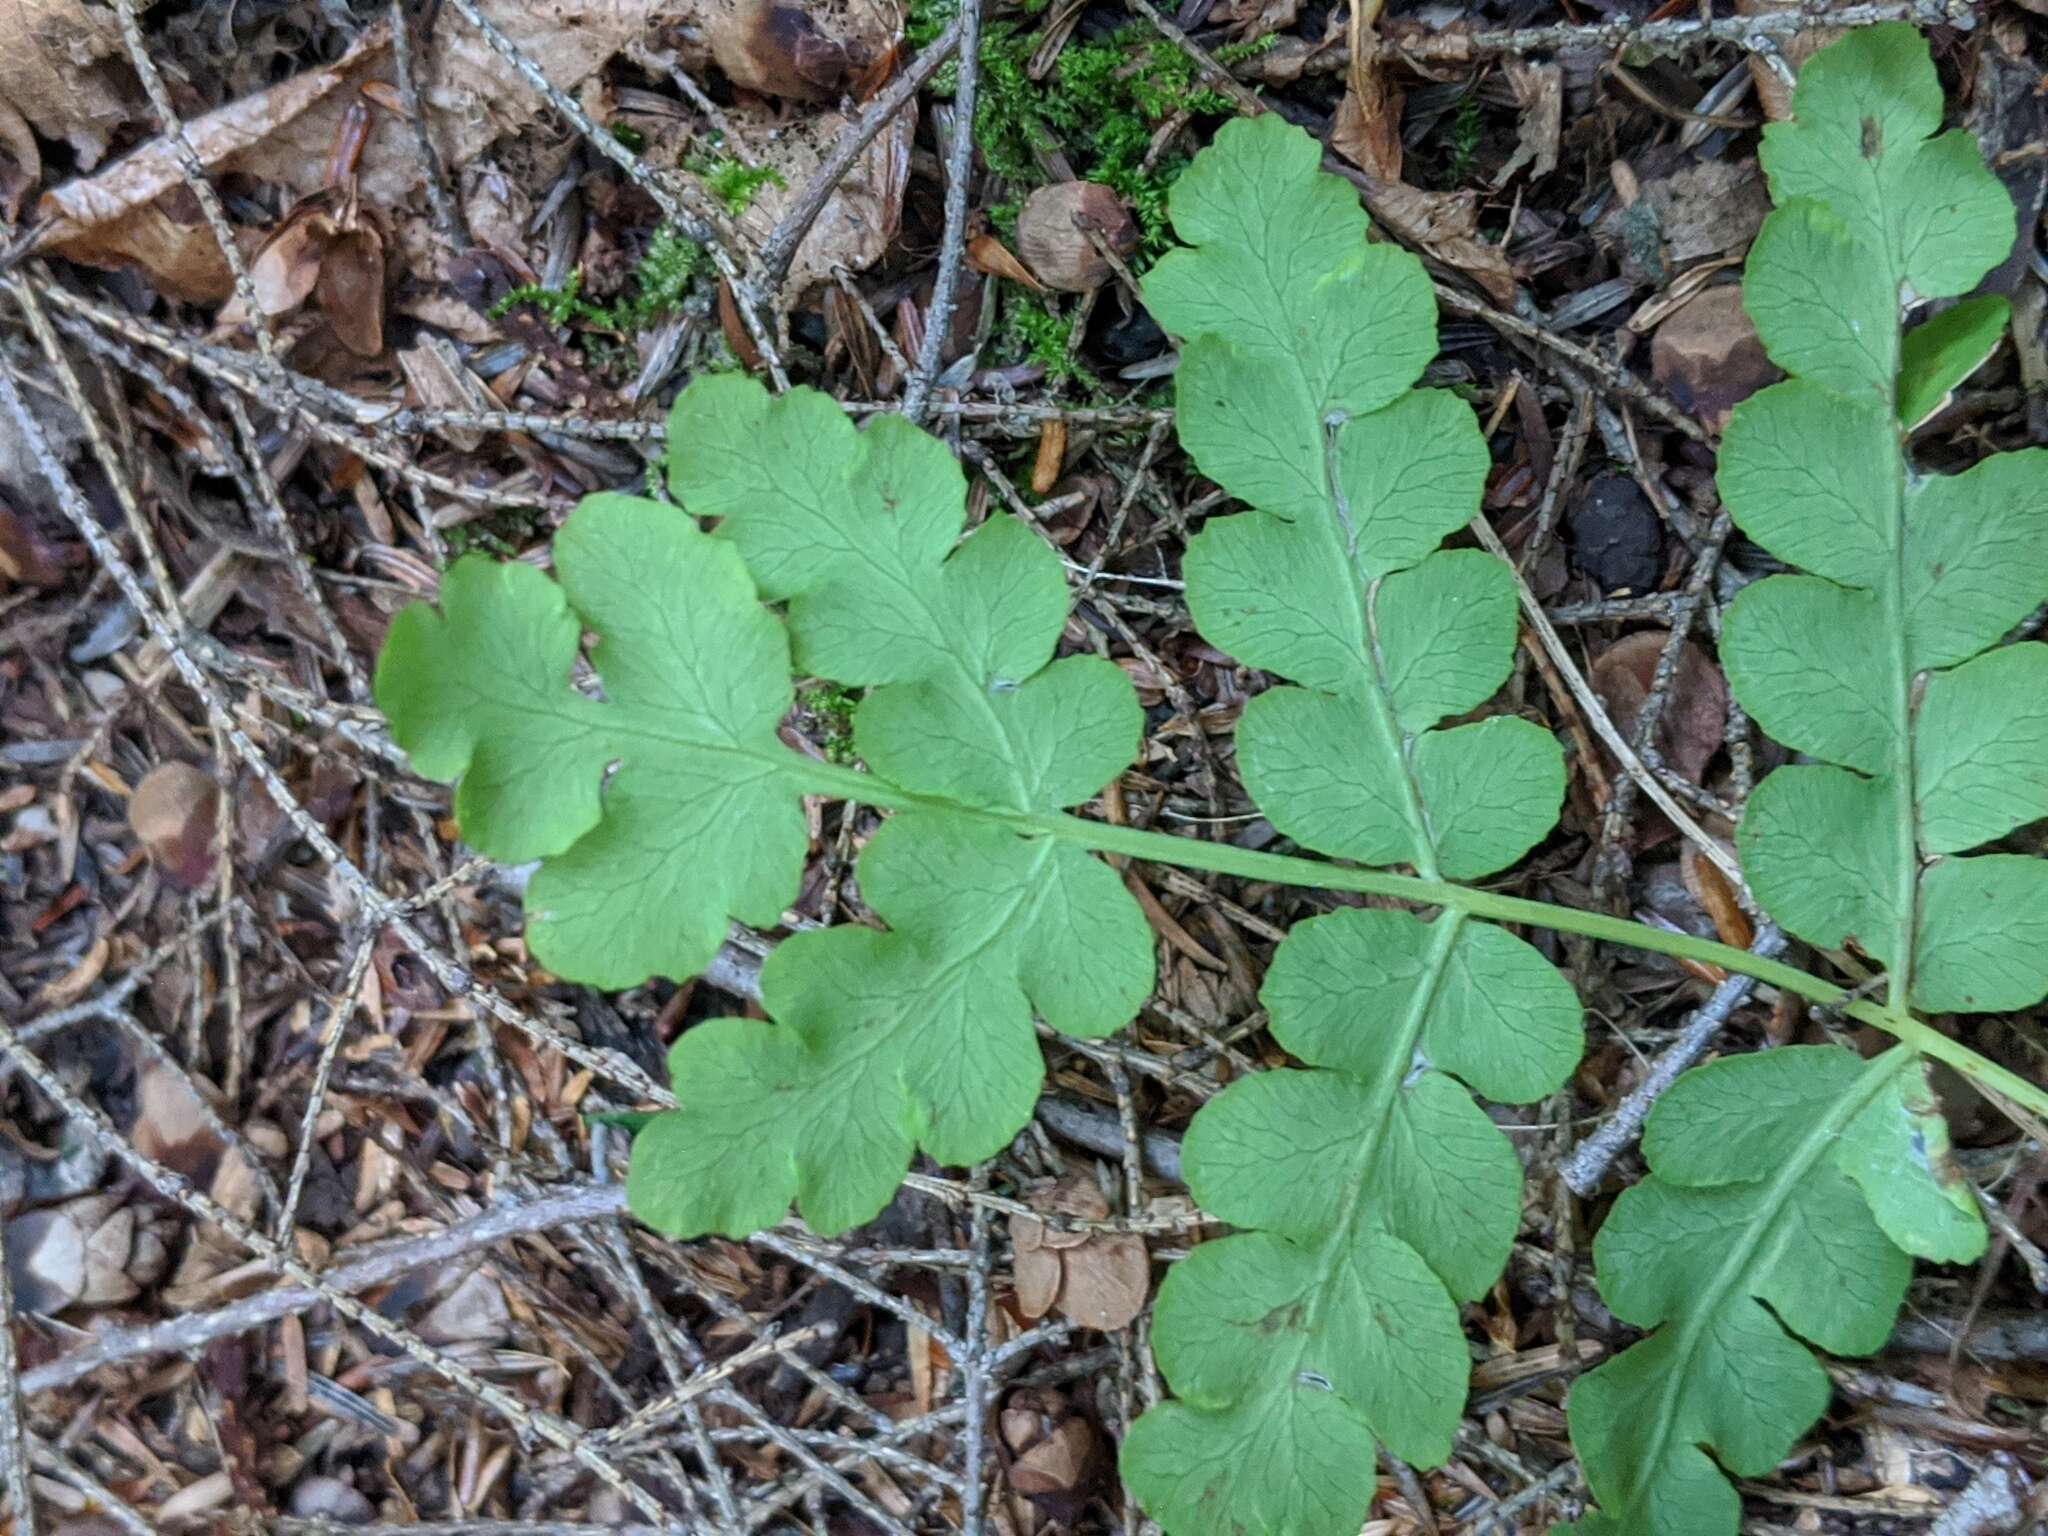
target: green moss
667 271
1036 334
1461 141
501 534
1101 105
830 708
736 184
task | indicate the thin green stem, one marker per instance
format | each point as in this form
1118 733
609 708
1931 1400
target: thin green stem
1289 869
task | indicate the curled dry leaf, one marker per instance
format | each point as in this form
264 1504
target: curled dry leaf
1716 896
1367 128
803 50
989 256
285 134
173 812
331 249
1443 225
139 211
1057 1457
1539 92
1367 132
1053 234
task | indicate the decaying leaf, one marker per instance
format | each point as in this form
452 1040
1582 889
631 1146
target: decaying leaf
285 135
1707 356
1539 92
1057 1457
1096 1279
799 49
1696 714
138 210
1367 128
1053 232
173 813
988 255
330 248
54 72
861 216
1367 132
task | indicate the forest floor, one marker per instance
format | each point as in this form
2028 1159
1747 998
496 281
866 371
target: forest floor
308 1213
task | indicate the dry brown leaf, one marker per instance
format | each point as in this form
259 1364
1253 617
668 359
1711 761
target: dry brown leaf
172 813
1717 898
1696 712
1709 209
53 72
351 290
1707 356
1444 225
287 133
169 240
863 213
1097 1279
1038 1272
1106 1280
1250 20
989 256
87 204
1539 92
1058 1464
1367 132
1053 232
805 50
287 265
1367 128
1772 89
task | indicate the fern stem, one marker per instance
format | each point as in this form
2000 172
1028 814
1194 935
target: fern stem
1289 869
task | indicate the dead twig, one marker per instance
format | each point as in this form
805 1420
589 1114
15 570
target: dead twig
771 266
1587 1166
938 317
1589 704
13 1428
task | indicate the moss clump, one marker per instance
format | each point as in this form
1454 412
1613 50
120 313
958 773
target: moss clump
660 283
830 708
736 184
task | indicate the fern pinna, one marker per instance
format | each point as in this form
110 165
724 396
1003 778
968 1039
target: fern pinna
1372 1194
885 1041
